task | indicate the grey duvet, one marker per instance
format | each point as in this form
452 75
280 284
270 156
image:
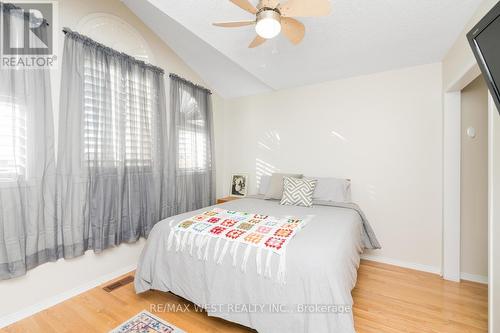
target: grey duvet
321 269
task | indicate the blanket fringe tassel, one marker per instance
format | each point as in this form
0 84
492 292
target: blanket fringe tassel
200 244
258 260
191 241
216 249
223 253
170 240
267 270
205 257
234 252
245 258
178 237
280 276
184 240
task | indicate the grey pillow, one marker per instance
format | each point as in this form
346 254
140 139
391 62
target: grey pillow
264 184
298 192
275 188
332 189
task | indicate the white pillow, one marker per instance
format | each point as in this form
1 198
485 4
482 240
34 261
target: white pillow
264 184
332 189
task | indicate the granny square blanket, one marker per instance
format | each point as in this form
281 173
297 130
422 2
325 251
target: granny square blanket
228 230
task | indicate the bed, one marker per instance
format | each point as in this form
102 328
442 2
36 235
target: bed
321 269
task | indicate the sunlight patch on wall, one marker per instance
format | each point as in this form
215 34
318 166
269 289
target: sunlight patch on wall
340 136
263 168
262 145
271 141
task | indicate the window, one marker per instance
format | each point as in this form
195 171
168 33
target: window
192 150
13 140
192 140
118 116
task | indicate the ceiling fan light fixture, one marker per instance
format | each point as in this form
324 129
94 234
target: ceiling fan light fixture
268 24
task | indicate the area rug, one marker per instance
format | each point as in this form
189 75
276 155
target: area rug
145 322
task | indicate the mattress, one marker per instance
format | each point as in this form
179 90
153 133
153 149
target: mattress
322 261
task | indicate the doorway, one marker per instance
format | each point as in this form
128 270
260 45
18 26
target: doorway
474 182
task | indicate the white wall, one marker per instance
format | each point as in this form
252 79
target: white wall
219 125
383 131
48 283
474 181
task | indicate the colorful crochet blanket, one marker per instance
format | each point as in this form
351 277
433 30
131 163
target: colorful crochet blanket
230 230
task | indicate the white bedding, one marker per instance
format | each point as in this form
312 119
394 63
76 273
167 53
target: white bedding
322 262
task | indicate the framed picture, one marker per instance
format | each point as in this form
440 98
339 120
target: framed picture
239 183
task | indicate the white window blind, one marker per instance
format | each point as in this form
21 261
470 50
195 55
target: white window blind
13 141
118 117
192 139
192 150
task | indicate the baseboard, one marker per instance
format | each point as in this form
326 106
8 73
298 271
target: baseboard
51 301
474 278
424 268
405 264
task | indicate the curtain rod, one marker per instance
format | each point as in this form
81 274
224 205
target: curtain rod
175 76
109 50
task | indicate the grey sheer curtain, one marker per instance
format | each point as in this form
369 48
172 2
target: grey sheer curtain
191 173
112 147
28 230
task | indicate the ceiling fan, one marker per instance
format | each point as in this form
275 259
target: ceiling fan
272 18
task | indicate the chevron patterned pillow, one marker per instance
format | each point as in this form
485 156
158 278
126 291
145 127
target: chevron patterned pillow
298 192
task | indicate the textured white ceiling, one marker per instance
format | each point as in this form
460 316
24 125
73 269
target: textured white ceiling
360 37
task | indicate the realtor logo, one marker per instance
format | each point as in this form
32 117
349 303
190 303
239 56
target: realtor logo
27 34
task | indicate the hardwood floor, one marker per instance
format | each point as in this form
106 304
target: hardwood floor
387 299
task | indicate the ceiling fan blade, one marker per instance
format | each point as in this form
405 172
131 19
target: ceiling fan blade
245 5
269 3
293 29
234 24
294 8
256 42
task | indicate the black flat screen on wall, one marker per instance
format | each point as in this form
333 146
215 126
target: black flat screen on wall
484 39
